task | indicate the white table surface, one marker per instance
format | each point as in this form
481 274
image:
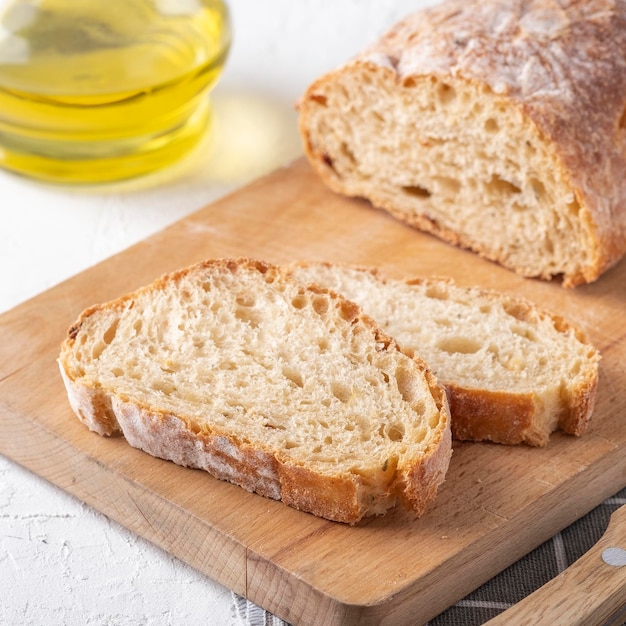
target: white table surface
61 562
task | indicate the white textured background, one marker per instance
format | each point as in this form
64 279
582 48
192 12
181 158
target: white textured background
61 563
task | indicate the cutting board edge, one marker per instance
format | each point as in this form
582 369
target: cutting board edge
373 609
399 608
116 504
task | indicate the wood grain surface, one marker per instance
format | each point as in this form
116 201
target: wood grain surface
496 505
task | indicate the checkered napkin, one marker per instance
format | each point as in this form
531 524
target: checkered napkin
507 588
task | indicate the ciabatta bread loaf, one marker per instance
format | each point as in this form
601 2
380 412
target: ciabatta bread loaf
288 391
514 373
497 125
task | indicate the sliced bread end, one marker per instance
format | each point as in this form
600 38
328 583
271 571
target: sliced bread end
285 390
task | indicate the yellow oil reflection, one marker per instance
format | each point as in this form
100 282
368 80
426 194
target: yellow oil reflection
250 135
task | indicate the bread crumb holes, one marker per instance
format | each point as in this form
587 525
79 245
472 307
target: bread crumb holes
458 345
341 391
416 191
446 93
393 432
299 301
491 126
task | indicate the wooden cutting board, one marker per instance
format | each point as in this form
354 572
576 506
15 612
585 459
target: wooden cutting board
496 505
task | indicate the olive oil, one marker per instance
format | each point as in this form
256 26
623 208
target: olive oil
102 90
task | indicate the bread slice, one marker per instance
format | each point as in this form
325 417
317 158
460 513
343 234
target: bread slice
288 391
513 372
497 126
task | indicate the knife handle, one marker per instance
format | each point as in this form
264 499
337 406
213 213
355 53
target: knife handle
587 593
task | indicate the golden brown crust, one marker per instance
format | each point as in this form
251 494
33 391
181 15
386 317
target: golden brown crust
338 498
92 407
500 417
576 420
427 475
561 64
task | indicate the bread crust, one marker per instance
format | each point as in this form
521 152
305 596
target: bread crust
509 418
497 416
338 498
562 64
576 420
343 498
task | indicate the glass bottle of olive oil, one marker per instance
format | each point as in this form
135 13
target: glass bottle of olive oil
102 90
